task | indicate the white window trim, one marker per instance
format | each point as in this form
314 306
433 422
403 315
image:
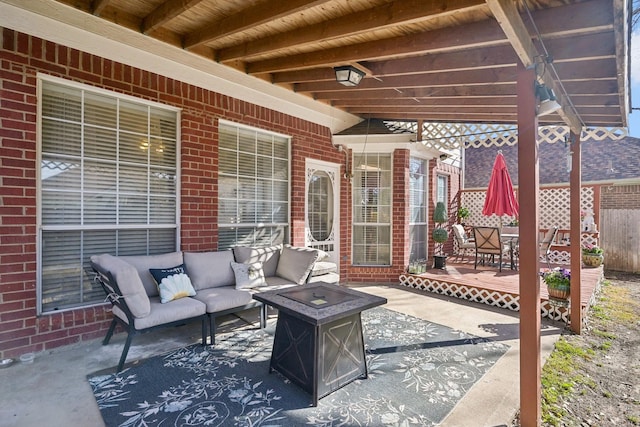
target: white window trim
40 228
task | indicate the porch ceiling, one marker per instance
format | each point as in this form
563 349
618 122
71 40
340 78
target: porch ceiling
449 61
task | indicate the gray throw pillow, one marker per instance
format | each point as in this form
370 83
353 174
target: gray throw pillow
296 263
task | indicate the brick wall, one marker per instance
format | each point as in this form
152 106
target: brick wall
22 57
620 197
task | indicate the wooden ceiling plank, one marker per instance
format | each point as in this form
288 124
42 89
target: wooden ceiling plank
166 12
509 19
260 14
380 17
475 35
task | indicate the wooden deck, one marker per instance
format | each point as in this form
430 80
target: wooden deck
489 286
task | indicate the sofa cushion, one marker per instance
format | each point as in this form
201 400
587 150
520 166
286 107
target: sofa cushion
143 263
223 298
296 263
173 283
210 269
183 308
269 257
128 280
248 275
323 267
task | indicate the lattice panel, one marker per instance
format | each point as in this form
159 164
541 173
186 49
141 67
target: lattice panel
451 136
554 205
484 296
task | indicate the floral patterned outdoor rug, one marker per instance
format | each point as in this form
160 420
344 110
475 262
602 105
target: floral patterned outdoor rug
418 371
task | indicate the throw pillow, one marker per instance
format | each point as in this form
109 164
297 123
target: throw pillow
173 283
296 263
248 275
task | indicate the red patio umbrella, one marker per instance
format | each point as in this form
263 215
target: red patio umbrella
500 199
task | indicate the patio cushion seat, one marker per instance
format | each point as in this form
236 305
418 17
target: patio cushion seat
223 298
180 309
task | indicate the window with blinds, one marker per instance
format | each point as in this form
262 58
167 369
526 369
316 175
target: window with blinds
418 208
372 185
253 180
108 184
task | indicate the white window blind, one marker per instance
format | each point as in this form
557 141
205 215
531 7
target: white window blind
108 184
418 208
253 206
372 192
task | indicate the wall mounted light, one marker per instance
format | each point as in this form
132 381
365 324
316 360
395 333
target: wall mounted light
548 103
348 75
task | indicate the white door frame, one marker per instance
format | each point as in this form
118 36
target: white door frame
333 172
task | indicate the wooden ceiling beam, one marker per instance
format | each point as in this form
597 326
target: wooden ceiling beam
166 12
98 6
492 76
380 17
475 35
443 92
262 13
508 18
412 102
446 117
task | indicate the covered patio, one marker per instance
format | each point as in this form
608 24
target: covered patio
271 67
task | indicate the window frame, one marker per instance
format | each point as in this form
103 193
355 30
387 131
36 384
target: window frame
425 209
273 226
82 226
363 224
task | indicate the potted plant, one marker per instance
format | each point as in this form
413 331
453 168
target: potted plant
463 214
440 235
592 255
558 281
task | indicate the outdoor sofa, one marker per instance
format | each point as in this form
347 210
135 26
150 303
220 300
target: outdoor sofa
192 286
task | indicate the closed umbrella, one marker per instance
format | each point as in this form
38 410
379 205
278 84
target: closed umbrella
500 199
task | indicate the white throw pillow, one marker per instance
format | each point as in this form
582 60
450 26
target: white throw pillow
248 275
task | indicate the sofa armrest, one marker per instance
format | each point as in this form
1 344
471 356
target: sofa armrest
121 282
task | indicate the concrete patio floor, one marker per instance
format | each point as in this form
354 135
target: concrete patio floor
54 391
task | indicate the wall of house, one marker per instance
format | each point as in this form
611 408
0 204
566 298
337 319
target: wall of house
437 167
21 58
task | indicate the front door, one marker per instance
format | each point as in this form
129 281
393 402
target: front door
322 210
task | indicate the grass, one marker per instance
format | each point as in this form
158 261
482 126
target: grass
562 371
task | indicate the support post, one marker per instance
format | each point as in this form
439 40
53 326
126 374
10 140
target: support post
575 189
528 188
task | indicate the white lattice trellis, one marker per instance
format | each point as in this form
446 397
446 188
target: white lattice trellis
554 207
483 296
453 136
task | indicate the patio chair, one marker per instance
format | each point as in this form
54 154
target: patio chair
488 242
545 245
462 240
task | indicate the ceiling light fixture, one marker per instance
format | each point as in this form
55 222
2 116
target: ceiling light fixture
548 102
348 75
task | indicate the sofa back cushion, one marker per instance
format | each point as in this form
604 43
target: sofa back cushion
143 263
269 257
296 263
128 280
210 269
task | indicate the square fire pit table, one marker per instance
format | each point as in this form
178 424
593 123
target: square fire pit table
318 343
